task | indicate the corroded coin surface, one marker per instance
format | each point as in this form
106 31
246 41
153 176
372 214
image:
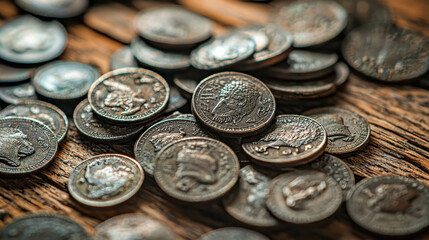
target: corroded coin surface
304 197
233 233
133 226
13 74
105 180
291 140
122 58
129 95
48 114
27 146
18 93
233 103
54 8
347 131
389 205
196 169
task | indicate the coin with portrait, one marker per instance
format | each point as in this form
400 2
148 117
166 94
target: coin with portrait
18 93
235 233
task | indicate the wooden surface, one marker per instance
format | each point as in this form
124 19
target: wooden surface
398 114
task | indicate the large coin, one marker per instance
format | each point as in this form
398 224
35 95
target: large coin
122 58
54 8
347 131
18 93
27 146
196 169
13 74
105 180
233 104
28 40
389 205
233 233
129 95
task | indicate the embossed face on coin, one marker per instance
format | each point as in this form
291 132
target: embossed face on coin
233 233
129 95
54 8
389 205
105 180
196 169
18 93
122 58
233 103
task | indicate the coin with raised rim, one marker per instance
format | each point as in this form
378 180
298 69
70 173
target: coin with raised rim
14 74
122 58
54 9
18 93
233 233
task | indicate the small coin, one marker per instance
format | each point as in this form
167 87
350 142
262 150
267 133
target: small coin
28 40
54 9
291 140
311 22
233 233
178 114
43 226
389 205
304 197
173 27
129 95
12 74
27 146
176 100
234 104
388 53
133 226
105 180
246 202
122 58
196 169
224 51
48 114
18 93
188 81
347 131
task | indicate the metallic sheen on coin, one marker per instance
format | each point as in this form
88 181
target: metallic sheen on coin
14 74
122 58
54 8
18 93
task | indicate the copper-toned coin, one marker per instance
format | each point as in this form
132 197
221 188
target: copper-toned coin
389 205
27 146
55 8
196 169
129 95
18 93
178 114
311 22
234 104
188 81
133 226
105 180
347 131
233 233
304 197
222 52
13 74
246 202
291 140
122 58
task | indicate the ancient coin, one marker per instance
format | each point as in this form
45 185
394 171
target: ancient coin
304 197
224 51
159 59
233 233
188 81
385 53
122 58
28 40
291 140
43 226
54 8
48 114
347 131
105 180
311 22
234 104
196 169
18 93
389 205
133 226
13 74
27 146
246 202
173 27
129 95
93 128
303 65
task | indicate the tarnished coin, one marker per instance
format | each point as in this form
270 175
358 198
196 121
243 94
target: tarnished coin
18 93
122 58
385 53
347 131
44 226
303 65
178 114
224 51
311 22
54 8
27 146
196 169
48 114
188 81
129 95
291 140
133 226
105 180
304 197
12 74
159 59
28 40
389 205
233 233
93 128
176 100
234 104
246 202
173 27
